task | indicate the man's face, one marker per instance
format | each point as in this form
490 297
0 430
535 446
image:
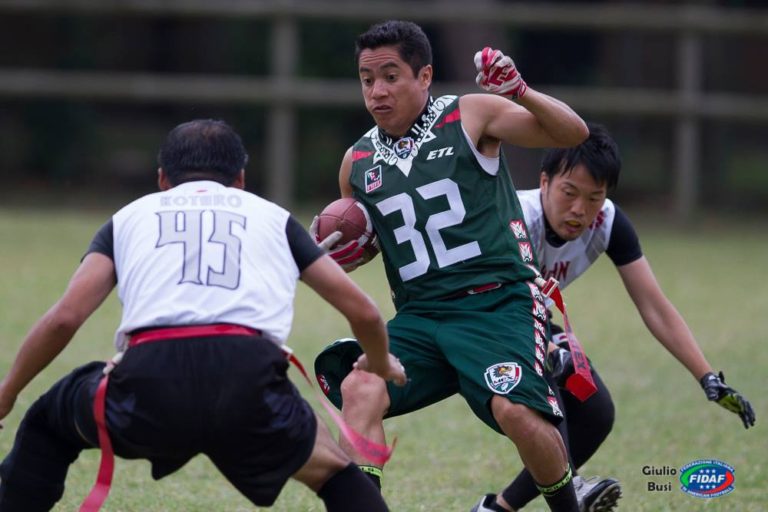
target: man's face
571 201
393 96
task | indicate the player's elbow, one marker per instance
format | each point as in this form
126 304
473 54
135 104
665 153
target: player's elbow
63 320
578 132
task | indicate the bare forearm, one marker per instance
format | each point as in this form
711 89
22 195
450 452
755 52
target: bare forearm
672 332
45 341
558 120
372 335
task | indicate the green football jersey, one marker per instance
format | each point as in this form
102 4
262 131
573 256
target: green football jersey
444 223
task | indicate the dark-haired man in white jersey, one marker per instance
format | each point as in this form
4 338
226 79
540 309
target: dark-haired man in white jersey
207 275
571 223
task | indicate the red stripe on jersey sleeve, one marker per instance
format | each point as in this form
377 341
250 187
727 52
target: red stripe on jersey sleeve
359 155
450 118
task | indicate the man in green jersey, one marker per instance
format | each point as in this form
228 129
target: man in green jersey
456 251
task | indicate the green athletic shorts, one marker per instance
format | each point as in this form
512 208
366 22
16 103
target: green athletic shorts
477 345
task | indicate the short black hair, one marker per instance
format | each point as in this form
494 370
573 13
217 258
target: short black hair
599 154
202 149
410 40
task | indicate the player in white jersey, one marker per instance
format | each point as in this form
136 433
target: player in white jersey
571 223
207 274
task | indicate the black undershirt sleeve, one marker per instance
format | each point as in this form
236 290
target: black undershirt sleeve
624 246
103 241
305 251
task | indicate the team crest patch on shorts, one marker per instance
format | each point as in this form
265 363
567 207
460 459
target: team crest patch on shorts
503 377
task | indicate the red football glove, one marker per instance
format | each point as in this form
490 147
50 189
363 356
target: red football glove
497 74
350 255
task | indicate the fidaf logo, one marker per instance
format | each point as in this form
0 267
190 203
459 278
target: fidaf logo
707 478
439 153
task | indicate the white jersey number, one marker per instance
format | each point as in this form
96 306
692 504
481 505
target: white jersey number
403 203
186 228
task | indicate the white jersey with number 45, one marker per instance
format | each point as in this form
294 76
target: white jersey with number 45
180 260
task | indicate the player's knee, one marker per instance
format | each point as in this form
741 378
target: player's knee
326 459
518 421
363 391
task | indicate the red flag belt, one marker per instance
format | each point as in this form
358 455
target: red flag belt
377 453
580 384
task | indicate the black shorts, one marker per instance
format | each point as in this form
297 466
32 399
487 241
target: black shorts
226 397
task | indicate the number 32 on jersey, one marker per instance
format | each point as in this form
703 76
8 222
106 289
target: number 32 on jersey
407 233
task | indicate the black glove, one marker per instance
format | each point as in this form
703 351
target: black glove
560 365
727 397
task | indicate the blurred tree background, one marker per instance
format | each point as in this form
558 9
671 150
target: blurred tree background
81 115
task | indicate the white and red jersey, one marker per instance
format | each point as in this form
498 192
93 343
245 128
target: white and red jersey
611 232
203 253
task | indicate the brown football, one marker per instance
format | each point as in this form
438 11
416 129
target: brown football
348 216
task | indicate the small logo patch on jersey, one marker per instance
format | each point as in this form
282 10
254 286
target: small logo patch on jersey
555 406
518 229
707 478
539 311
598 220
535 292
526 252
372 179
404 147
503 377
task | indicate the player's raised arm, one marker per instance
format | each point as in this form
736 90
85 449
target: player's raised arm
514 112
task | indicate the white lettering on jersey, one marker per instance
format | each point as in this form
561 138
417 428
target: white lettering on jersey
570 260
407 233
439 153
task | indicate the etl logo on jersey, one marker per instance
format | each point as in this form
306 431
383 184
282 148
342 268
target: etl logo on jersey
707 478
439 153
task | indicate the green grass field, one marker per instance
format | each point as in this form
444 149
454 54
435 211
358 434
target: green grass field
445 458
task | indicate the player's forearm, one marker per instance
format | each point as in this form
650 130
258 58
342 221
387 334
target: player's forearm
559 121
45 341
674 334
371 333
